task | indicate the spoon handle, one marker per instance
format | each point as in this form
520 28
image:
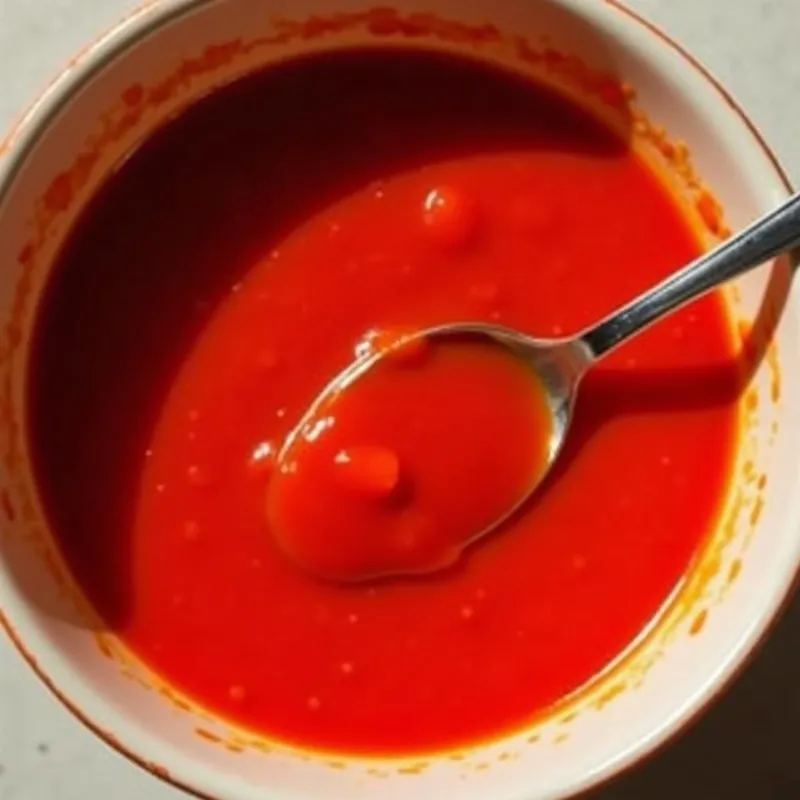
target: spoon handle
766 238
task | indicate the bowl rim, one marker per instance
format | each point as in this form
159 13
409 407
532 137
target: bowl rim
152 15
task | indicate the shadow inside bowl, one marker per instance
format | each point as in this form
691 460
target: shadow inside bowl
275 149
113 332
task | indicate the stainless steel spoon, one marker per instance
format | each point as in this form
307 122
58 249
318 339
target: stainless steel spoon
562 363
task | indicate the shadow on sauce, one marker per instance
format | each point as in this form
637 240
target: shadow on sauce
184 218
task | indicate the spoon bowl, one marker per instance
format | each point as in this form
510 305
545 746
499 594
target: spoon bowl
557 366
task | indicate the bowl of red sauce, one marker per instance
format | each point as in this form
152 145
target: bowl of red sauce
219 205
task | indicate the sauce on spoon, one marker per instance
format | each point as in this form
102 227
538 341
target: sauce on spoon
373 481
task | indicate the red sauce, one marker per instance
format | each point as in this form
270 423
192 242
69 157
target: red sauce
411 461
221 279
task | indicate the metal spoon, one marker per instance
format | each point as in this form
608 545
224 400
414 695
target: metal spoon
561 363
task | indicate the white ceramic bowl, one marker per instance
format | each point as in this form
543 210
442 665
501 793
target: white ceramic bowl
167 54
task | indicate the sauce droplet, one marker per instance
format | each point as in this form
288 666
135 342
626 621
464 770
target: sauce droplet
238 694
198 476
191 531
450 217
369 469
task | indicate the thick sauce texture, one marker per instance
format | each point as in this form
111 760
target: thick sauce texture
410 462
225 275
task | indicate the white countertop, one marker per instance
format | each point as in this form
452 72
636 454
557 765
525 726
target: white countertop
746 748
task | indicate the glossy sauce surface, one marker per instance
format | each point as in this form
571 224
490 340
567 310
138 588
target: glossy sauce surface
398 471
232 265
